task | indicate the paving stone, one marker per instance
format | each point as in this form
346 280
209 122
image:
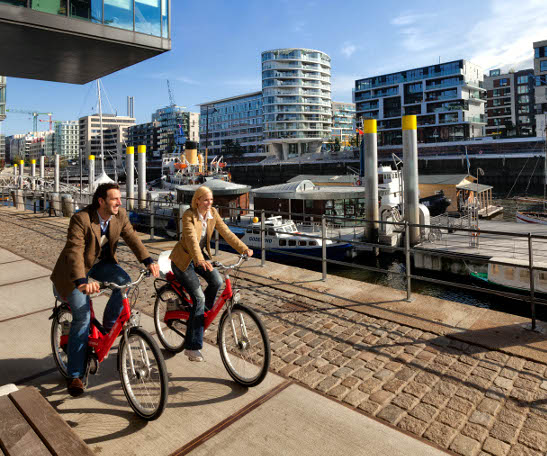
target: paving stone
440 434
497 356
515 363
521 450
464 445
343 372
383 374
460 405
504 382
404 401
369 407
303 360
381 397
508 373
427 378
330 355
425 355
484 419
451 418
355 397
504 432
394 385
472 395
536 423
423 412
327 369
405 358
535 367
355 364
479 382
521 394
351 382
405 374
327 384
495 447
483 373
390 413
363 373
475 431
533 439
493 366
312 379
288 369
468 360
370 385
351 353
435 399
338 392
416 389
374 365
339 361
445 388
412 425
509 417
301 373
489 406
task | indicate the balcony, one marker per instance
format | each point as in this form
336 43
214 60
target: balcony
77 42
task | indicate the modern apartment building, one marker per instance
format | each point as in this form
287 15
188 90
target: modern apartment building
146 134
171 120
67 139
2 98
540 72
448 100
2 149
234 125
296 91
80 40
114 135
343 122
509 106
41 143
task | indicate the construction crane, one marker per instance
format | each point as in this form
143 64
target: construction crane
34 115
50 122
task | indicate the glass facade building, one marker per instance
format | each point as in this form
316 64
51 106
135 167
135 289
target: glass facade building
67 139
296 90
448 100
540 73
234 125
171 120
343 122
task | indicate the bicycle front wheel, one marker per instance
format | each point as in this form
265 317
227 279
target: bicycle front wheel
143 374
60 325
171 334
244 345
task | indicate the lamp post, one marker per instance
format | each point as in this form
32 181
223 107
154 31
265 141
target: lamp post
207 134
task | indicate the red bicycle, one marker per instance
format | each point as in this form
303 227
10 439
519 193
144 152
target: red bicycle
242 338
140 362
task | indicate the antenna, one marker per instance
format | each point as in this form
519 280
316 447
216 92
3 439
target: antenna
171 96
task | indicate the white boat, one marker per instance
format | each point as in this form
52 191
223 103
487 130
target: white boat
538 217
284 237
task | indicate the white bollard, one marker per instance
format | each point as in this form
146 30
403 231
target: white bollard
142 177
56 175
410 174
130 177
370 138
91 175
33 174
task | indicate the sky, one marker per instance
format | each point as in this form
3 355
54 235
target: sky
216 48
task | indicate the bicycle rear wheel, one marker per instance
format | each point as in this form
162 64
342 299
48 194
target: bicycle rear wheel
146 389
60 324
171 334
244 345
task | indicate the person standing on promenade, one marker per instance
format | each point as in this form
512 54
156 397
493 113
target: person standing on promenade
188 260
90 251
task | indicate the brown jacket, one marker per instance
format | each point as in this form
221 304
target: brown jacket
187 249
82 246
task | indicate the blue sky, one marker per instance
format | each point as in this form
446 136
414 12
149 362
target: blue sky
216 48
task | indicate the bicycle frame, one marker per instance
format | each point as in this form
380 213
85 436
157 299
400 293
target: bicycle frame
209 315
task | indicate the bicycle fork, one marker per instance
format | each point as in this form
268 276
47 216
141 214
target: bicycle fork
145 371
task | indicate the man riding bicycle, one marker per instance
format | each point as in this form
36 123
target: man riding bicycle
90 251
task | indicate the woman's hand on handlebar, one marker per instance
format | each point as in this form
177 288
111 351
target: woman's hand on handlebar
90 288
248 252
205 265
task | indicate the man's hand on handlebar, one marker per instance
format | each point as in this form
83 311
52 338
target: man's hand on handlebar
248 252
154 268
90 288
205 265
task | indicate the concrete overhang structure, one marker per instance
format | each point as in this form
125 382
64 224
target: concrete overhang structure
63 48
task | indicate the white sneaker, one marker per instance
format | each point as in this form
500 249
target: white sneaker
194 355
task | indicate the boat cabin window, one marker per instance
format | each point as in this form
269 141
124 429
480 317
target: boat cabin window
525 274
282 242
271 232
495 269
256 230
292 243
543 276
509 273
302 243
313 242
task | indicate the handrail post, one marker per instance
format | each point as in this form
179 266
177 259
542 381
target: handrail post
532 291
407 263
152 210
262 238
179 227
324 247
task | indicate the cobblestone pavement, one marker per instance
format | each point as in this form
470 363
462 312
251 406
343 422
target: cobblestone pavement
462 397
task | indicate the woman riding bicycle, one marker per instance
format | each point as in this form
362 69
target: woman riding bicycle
189 259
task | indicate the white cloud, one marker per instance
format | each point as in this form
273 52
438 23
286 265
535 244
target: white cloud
348 49
410 18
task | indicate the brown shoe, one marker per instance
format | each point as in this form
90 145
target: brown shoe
75 387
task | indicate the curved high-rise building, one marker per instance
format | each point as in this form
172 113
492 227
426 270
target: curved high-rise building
296 92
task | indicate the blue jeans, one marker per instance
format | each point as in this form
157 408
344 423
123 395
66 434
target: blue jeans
190 281
103 271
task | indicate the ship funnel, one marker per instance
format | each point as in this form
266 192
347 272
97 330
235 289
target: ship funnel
191 152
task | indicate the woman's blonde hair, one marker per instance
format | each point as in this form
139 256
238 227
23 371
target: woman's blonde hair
200 192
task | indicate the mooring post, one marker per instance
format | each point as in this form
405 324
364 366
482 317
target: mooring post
33 174
262 238
407 262
324 248
91 175
410 173
141 188
532 285
370 140
130 178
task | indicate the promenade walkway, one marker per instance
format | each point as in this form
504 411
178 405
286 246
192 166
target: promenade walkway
470 381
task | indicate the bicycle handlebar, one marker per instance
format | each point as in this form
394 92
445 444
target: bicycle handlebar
242 258
114 286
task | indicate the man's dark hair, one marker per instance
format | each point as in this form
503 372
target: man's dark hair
101 192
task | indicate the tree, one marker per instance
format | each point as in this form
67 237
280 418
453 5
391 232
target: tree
337 144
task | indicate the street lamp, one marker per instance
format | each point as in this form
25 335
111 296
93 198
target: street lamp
207 133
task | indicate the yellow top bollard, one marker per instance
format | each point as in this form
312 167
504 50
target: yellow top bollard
369 126
141 149
15 165
22 162
92 157
410 122
33 162
130 150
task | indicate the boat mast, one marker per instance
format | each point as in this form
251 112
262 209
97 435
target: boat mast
101 125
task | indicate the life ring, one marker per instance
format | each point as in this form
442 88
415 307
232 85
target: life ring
476 233
359 182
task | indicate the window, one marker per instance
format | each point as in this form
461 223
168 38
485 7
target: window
509 273
522 80
543 65
495 72
524 274
282 243
523 89
292 243
524 119
302 243
504 82
256 231
543 276
524 99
